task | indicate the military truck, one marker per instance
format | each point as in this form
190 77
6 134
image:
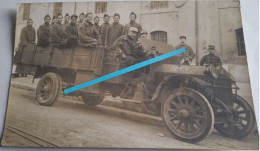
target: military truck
192 100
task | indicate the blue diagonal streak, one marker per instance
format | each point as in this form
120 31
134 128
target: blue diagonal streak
125 70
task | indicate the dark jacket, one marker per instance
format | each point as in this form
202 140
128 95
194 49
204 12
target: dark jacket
103 31
43 34
210 59
57 33
79 23
28 35
113 32
97 27
65 25
88 34
71 33
133 52
132 24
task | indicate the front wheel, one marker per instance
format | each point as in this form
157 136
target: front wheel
92 99
188 115
240 123
48 89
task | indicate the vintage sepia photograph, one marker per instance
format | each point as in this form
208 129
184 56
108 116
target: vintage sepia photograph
130 74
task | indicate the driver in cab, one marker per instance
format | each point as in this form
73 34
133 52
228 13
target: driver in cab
128 49
211 58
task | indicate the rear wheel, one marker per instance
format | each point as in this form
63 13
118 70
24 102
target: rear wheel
240 123
48 89
188 115
92 99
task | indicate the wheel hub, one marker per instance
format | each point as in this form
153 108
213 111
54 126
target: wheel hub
184 113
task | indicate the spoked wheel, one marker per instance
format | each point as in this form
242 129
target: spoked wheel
48 89
188 115
240 123
92 99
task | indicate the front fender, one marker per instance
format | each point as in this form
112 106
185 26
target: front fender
177 81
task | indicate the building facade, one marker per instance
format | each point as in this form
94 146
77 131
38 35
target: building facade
202 22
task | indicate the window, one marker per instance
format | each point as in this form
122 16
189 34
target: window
100 7
159 4
57 9
240 42
26 11
160 36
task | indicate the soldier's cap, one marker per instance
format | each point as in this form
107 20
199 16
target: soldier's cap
82 14
132 13
144 32
96 17
133 29
67 15
47 16
183 37
29 20
106 15
74 15
116 14
211 47
59 14
88 14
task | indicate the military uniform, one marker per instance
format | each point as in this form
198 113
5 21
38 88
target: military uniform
103 31
113 32
97 27
65 24
132 24
188 54
43 34
210 59
79 23
128 46
71 33
57 33
28 35
88 35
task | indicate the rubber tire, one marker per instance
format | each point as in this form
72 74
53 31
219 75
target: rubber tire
250 128
210 122
56 89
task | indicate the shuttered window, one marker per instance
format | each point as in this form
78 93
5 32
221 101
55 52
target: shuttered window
240 42
159 4
26 11
57 9
160 36
100 7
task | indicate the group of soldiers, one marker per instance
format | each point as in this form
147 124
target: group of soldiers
83 32
114 37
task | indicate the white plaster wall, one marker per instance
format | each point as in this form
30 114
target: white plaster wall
169 21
